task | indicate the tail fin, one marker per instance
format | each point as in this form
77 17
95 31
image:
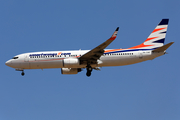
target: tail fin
156 38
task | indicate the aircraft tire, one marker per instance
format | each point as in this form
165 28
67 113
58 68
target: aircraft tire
88 73
22 73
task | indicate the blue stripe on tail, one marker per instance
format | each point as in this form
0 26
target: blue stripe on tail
160 41
164 22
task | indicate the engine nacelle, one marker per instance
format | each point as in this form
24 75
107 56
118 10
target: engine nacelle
70 62
70 70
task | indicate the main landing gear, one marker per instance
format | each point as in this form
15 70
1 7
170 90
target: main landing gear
89 70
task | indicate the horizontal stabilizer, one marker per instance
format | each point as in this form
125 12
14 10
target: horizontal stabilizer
163 48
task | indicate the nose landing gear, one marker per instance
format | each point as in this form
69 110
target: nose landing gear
23 73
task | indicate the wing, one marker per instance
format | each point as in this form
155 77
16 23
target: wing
93 55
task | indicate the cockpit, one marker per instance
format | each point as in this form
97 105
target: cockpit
15 57
14 62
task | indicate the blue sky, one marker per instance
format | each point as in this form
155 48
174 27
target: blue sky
143 91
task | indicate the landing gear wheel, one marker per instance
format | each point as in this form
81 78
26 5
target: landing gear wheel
22 73
88 73
89 70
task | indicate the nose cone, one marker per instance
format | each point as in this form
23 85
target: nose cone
8 63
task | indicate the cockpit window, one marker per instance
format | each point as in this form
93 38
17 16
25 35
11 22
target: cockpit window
15 57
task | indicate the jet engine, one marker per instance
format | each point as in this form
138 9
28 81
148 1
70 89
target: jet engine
70 70
70 62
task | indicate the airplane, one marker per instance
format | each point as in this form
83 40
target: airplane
73 62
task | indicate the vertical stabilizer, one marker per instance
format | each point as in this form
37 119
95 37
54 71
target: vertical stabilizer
156 38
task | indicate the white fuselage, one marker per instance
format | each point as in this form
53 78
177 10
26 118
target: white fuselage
54 59
72 62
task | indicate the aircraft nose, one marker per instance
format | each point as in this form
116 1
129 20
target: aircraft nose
8 63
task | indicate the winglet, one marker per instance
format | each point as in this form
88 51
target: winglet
113 37
163 48
93 55
117 28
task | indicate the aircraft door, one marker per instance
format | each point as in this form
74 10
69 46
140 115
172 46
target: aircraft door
26 58
140 54
25 64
